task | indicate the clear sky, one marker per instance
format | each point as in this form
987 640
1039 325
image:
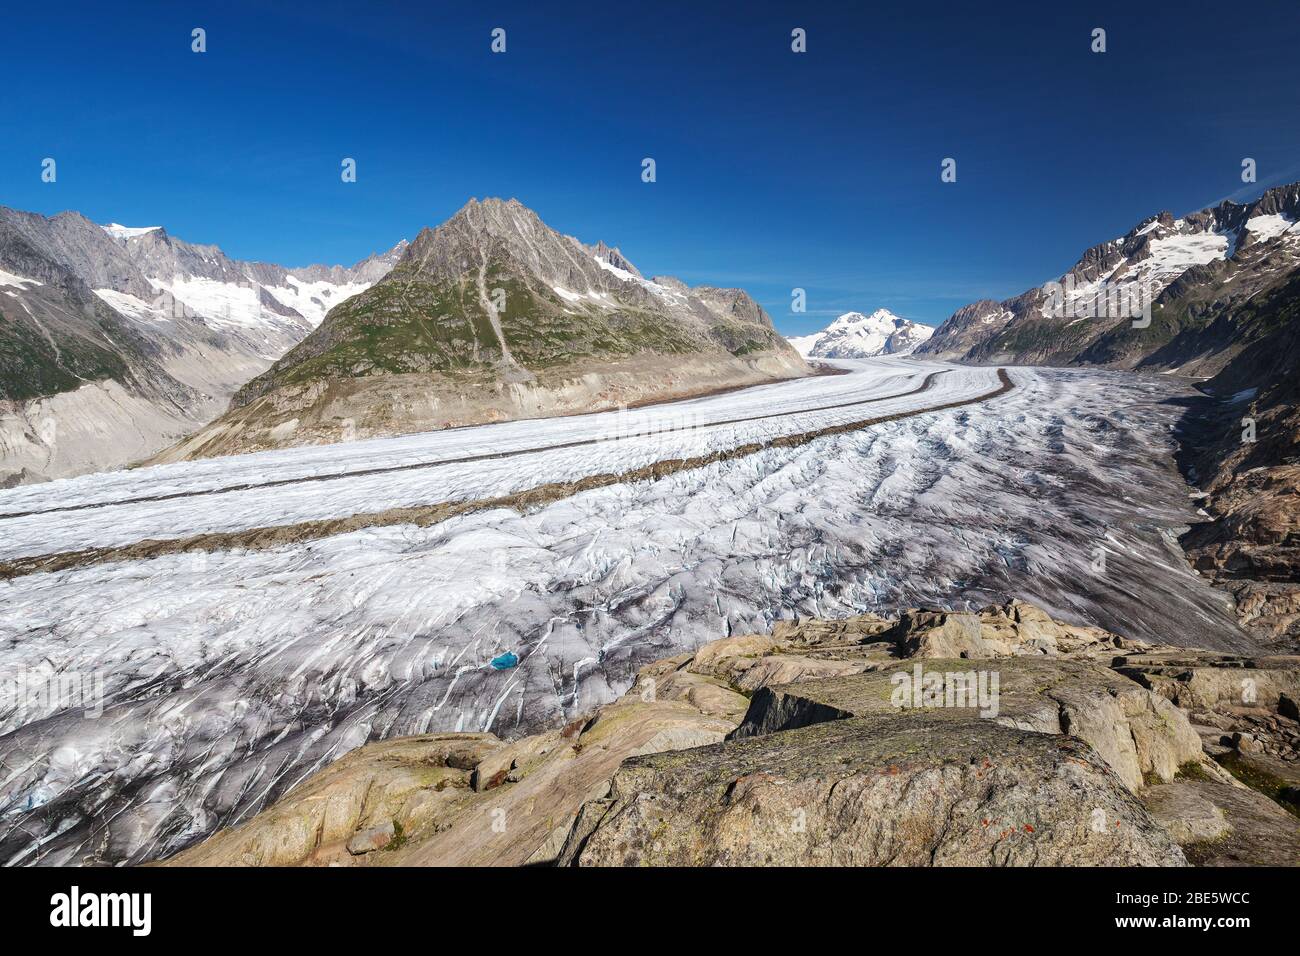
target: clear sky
775 170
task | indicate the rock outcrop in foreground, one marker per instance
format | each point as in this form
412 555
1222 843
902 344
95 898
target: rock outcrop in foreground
1001 737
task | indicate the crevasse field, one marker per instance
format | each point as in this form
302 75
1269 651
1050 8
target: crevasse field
228 676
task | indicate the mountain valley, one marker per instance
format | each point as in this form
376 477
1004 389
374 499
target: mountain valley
117 341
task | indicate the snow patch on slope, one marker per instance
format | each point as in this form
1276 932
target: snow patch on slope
1269 227
133 307
312 300
118 231
1175 254
17 281
655 287
224 303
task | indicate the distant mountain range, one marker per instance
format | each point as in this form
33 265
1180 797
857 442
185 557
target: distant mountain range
854 335
494 316
116 341
1221 290
1196 272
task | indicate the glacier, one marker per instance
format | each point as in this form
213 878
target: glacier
228 676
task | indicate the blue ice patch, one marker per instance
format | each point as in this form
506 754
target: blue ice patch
505 661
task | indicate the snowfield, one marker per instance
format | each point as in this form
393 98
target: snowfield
854 336
229 676
365 477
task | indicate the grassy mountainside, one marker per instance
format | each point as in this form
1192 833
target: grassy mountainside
492 316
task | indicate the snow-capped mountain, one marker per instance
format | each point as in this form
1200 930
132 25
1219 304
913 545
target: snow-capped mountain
854 335
117 340
1188 270
271 306
492 316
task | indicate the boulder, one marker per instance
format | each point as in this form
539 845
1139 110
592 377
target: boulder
1186 813
910 789
372 838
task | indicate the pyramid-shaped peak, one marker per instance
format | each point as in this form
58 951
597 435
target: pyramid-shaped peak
613 256
491 205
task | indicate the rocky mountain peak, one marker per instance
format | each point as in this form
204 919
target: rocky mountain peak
1283 200
536 321
613 257
137 335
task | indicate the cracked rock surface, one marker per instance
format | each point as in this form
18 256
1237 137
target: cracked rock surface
795 749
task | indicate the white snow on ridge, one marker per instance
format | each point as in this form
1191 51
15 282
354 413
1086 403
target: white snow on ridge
1170 255
1174 255
127 232
655 287
621 273
854 335
223 303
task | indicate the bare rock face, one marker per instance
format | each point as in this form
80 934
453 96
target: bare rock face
1187 815
1013 629
1137 733
924 790
850 742
1204 680
338 811
471 799
1241 447
1217 824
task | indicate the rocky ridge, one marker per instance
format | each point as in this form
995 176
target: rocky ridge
115 341
495 316
1193 270
1030 742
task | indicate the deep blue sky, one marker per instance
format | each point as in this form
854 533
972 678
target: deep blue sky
775 170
